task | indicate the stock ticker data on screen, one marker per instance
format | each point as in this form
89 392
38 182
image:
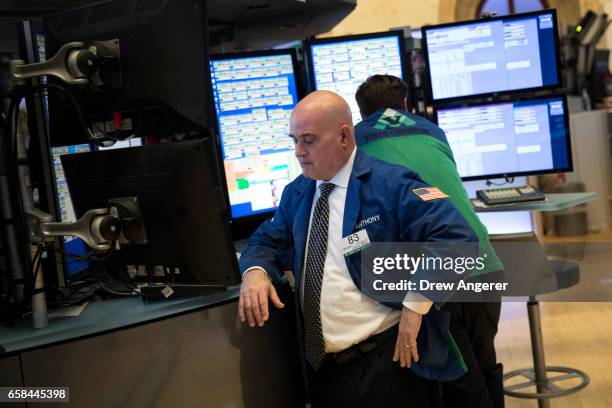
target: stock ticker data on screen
344 64
72 245
506 138
254 97
492 56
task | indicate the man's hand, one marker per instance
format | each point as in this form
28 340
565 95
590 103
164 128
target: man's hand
406 344
255 290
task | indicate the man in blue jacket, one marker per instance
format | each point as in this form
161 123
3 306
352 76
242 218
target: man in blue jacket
355 347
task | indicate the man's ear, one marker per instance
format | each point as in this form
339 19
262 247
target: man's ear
345 134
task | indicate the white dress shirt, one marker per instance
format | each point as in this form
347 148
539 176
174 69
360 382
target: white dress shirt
347 315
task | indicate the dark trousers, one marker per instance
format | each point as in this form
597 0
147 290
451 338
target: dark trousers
474 326
371 379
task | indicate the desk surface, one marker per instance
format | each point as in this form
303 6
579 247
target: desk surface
553 202
104 316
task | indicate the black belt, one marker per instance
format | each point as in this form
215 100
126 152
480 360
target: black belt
363 347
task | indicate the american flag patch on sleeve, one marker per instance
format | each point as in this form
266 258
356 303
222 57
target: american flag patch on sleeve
429 193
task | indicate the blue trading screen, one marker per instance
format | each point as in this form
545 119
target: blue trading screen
492 56
506 138
341 66
72 245
254 97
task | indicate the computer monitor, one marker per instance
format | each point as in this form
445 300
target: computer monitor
182 206
254 94
163 86
341 64
492 56
72 245
506 139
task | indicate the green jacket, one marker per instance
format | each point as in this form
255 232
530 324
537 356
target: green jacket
411 141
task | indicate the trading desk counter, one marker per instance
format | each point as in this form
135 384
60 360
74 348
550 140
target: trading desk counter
184 352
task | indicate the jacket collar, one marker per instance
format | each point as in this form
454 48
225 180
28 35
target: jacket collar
305 189
361 166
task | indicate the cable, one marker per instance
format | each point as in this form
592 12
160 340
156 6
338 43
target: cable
36 266
507 180
37 255
114 292
70 97
90 256
30 288
86 123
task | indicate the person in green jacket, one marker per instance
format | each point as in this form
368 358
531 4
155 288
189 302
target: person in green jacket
390 133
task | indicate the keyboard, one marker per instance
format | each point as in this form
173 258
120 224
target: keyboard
510 195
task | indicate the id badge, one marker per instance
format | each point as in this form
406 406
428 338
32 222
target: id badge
355 242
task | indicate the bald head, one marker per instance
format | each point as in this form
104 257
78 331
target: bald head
326 106
321 127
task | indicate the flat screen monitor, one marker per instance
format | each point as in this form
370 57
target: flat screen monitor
254 94
72 245
492 56
341 64
162 87
509 138
181 205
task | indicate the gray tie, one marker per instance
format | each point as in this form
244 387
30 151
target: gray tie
313 278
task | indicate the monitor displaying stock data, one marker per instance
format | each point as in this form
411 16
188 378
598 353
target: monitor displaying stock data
254 94
501 54
341 64
72 245
509 138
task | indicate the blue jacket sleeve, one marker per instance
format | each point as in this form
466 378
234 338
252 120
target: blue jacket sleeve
442 229
270 247
435 220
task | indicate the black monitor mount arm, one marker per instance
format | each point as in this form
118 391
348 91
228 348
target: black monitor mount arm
95 63
99 228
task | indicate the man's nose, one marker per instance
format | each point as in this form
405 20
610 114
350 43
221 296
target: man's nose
299 150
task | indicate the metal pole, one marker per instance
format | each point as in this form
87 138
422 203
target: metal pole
40 317
10 213
8 219
537 350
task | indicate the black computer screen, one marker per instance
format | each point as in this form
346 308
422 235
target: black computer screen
181 204
501 54
163 86
341 64
509 138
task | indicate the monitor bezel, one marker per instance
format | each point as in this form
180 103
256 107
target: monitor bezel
242 225
185 200
568 139
354 37
520 16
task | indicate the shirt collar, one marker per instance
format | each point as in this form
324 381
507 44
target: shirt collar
341 179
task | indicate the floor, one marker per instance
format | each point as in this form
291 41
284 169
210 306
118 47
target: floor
576 334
